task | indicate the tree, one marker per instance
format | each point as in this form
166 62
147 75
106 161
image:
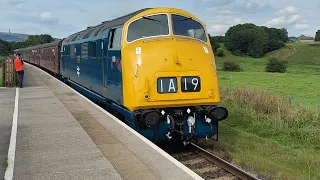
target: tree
317 36
247 39
255 41
214 43
5 48
220 52
32 41
277 38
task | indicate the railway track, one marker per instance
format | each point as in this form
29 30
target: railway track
208 165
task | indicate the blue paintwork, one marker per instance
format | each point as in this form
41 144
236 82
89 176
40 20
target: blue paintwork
100 74
100 80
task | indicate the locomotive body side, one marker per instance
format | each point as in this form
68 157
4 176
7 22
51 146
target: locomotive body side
92 59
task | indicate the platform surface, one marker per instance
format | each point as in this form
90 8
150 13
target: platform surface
62 135
7 96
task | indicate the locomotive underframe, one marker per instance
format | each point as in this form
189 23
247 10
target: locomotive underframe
180 119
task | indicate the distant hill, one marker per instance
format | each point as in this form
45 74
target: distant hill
13 36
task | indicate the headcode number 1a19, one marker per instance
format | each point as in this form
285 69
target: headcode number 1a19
190 84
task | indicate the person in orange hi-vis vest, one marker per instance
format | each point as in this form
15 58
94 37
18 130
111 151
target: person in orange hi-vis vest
18 65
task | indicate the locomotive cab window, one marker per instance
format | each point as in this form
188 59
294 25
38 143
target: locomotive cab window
186 26
115 39
148 26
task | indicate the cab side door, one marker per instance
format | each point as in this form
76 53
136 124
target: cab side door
114 65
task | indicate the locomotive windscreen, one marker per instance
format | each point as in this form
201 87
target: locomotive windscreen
155 25
185 26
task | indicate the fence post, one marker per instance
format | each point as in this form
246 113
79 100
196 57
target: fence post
4 77
9 75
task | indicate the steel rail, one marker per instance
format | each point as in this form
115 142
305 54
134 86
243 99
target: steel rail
224 164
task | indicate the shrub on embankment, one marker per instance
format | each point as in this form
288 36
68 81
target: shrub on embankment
270 135
231 66
276 113
276 65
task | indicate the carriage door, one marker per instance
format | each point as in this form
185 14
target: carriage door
104 45
114 77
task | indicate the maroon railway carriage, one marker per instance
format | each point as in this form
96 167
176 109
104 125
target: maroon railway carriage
45 56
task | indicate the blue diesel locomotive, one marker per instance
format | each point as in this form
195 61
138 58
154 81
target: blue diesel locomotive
154 68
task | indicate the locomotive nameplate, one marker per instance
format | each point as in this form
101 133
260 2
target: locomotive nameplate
170 84
190 84
167 85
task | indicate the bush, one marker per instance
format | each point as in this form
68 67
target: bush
231 66
276 65
220 52
255 41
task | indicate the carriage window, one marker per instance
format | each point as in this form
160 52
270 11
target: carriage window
115 39
147 26
186 26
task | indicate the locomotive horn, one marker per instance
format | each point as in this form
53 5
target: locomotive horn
217 113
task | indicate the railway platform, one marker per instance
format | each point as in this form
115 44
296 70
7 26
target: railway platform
49 131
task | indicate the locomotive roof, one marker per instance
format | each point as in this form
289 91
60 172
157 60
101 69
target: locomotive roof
99 29
89 32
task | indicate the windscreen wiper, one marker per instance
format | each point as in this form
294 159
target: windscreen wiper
150 19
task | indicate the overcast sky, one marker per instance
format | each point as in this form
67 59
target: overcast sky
61 18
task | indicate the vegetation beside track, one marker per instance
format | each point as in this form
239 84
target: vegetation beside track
274 122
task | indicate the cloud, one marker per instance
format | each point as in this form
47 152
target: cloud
220 15
290 18
302 26
37 18
290 10
12 2
220 24
62 18
251 7
47 17
215 3
280 21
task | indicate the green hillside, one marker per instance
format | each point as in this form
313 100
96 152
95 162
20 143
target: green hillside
13 37
298 83
266 132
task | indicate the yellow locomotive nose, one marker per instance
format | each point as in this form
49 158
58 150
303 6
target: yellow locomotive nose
168 65
170 71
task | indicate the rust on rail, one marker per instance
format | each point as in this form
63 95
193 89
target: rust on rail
224 164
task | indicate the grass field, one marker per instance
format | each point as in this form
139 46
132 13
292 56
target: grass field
299 82
266 132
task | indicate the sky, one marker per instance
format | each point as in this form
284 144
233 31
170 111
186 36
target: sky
61 18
